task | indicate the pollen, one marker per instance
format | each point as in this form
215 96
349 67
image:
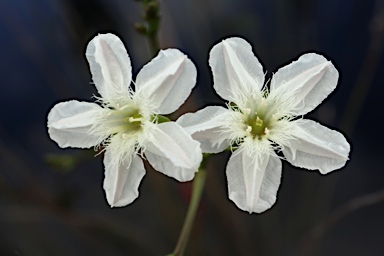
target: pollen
259 122
247 111
132 119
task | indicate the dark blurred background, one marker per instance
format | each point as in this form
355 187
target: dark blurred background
52 201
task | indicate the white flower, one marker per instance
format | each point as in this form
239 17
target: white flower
127 124
259 121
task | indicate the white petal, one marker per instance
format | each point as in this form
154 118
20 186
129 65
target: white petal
165 166
253 180
308 81
69 123
122 178
235 68
205 127
171 142
316 147
110 66
166 81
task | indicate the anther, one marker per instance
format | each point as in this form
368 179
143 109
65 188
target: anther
259 122
132 119
247 111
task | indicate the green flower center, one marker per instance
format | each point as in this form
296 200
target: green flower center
126 120
129 120
257 126
133 120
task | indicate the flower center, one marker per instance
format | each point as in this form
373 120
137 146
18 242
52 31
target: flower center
132 119
258 118
257 126
125 120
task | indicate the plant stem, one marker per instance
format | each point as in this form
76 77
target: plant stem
154 44
150 27
197 190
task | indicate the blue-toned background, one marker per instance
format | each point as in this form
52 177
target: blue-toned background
46 209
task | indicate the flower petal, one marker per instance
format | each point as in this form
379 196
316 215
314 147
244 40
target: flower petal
253 180
170 142
235 68
110 67
69 123
205 127
308 81
314 146
166 81
122 178
165 166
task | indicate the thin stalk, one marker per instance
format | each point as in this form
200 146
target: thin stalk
154 44
151 25
197 190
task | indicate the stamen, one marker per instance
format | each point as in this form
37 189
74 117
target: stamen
132 119
259 122
247 111
249 129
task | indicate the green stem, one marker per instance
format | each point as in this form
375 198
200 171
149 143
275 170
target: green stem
151 26
154 44
198 186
